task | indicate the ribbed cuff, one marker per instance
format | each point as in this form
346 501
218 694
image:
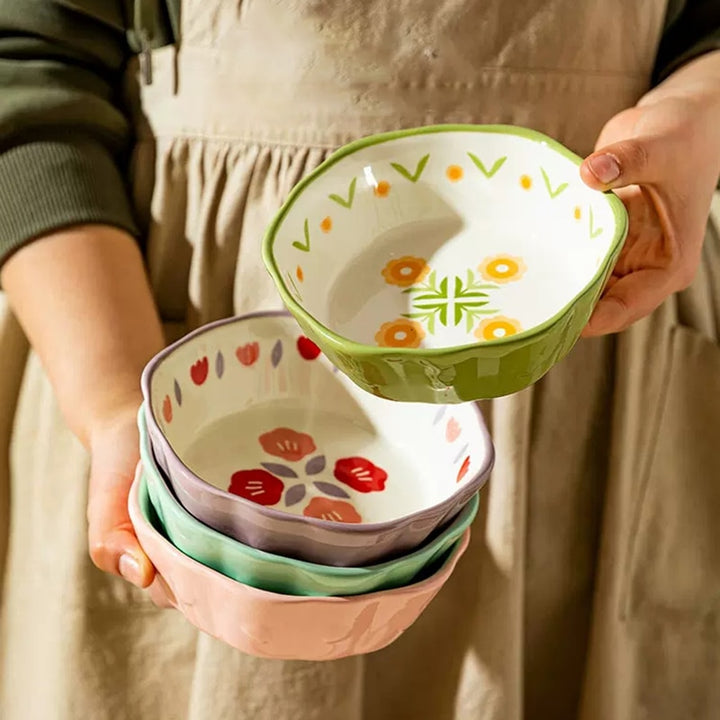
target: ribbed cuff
47 185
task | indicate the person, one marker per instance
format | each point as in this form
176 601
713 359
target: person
144 147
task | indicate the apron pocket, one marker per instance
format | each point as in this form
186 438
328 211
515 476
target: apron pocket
674 559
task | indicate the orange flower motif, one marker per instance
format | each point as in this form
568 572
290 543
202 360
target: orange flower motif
497 327
405 271
333 510
382 189
400 333
502 268
287 444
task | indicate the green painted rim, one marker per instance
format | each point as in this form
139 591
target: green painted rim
359 349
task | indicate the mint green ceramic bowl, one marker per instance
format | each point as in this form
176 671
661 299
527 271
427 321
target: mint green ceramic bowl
448 263
279 574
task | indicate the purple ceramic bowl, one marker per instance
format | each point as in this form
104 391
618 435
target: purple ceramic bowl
262 439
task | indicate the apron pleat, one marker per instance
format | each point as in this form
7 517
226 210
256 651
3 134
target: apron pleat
591 588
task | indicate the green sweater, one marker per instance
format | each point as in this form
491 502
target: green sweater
64 137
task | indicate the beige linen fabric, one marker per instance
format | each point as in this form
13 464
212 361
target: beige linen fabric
591 589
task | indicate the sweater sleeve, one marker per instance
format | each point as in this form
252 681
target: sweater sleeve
692 27
63 135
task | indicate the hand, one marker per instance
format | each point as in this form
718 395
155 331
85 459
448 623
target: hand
111 538
662 158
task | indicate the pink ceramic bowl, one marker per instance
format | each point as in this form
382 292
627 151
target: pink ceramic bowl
283 627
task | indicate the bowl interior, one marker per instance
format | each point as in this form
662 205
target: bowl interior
442 237
251 407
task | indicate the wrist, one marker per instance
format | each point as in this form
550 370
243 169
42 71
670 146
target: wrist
697 82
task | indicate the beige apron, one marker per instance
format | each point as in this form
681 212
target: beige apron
591 590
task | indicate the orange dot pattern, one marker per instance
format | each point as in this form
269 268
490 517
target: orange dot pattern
382 189
525 182
326 224
454 173
299 273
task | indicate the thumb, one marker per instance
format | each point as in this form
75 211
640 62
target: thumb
637 161
111 538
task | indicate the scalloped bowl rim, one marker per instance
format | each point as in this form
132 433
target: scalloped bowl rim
441 575
476 483
456 526
358 349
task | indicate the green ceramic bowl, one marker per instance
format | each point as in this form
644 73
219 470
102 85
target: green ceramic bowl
448 263
279 574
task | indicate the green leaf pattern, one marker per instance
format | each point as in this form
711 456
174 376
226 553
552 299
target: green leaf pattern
446 302
412 177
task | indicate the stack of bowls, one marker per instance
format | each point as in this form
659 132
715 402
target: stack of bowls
263 464
306 489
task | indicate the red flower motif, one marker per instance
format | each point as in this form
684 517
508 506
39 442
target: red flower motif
307 348
257 485
287 444
452 431
167 409
334 510
199 371
248 354
462 472
360 474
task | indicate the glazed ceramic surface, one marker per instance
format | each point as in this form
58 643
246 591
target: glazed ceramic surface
447 263
283 627
285 575
263 440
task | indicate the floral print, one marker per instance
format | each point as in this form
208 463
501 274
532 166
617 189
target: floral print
360 474
307 348
405 271
265 487
199 371
400 333
452 430
497 327
287 444
502 268
332 510
167 409
259 486
248 354
462 472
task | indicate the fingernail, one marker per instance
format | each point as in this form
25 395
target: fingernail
605 168
130 569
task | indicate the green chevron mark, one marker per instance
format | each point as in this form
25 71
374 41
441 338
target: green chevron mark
553 193
305 247
412 177
480 165
594 232
350 198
